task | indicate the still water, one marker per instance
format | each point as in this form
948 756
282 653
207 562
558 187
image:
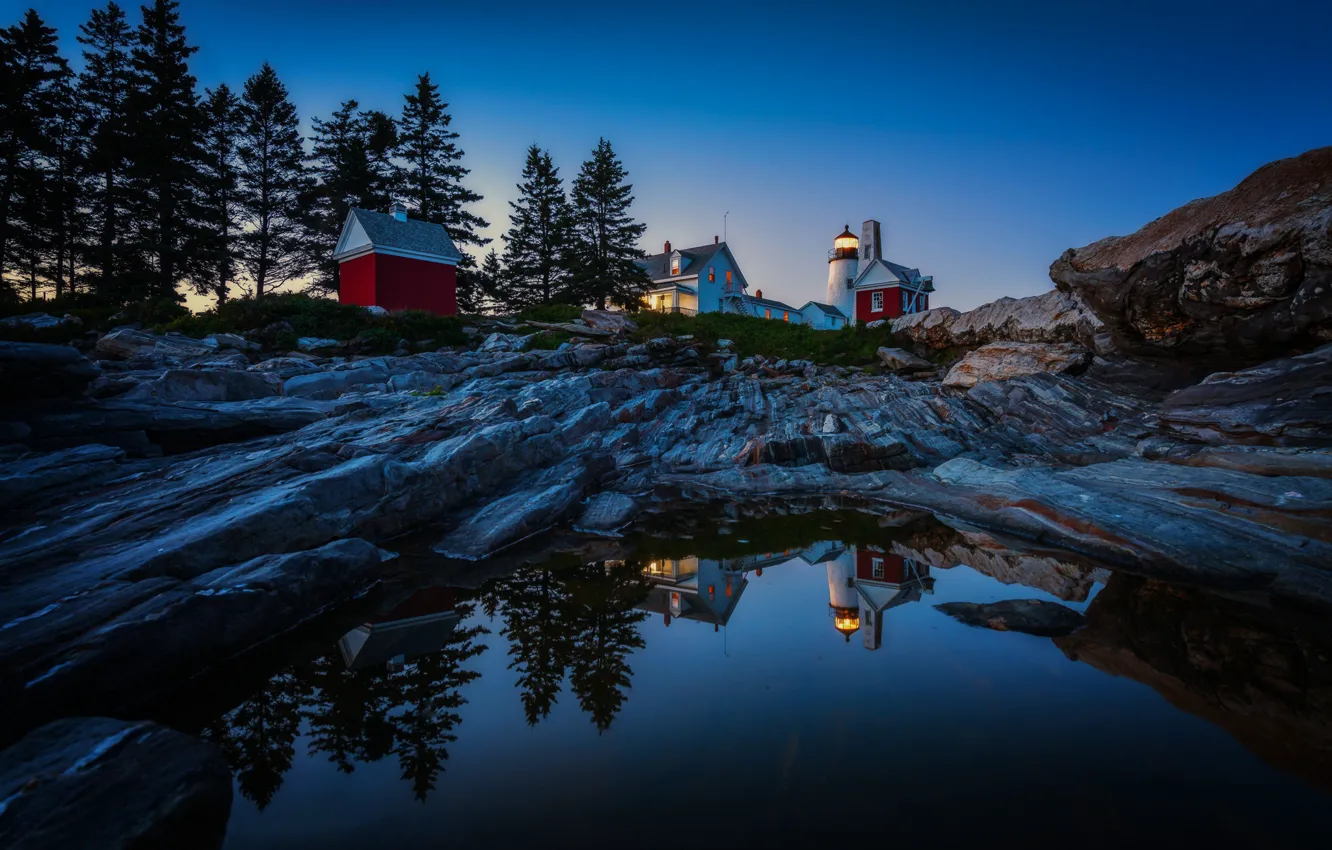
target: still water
701 690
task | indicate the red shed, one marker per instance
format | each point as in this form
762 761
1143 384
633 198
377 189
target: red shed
388 260
885 290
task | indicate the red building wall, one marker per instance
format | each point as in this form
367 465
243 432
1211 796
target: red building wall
399 283
356 281
892 304
894 566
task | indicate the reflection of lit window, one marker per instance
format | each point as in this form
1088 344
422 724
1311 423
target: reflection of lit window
876 566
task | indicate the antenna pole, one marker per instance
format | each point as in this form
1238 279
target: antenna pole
728 212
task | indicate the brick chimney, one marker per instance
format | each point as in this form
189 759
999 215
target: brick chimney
398 211
668 246
758 293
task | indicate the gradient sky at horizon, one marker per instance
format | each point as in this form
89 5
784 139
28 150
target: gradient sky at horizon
988 137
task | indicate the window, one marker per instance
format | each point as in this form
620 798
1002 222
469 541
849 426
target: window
728 276
876 566
876 302
712 274
786 316
675 265
767 314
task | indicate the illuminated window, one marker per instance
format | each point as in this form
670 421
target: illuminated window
786 316
712 274
675 265
876 302
767 314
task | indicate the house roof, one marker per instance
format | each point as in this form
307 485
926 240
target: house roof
667 287
658 266
413 235
897 274
770 303
827 308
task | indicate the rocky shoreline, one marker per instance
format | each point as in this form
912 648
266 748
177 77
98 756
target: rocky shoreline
172 503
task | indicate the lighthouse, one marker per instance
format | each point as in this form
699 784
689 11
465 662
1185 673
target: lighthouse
843 602
842 268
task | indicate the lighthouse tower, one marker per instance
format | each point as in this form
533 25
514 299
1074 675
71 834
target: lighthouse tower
842 262
843 602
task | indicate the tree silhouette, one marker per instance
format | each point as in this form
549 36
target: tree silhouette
533 607
258 736
605 633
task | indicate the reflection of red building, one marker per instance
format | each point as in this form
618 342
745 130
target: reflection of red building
418 626
864 583
875 565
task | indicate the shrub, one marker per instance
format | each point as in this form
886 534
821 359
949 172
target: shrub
552 313
856 345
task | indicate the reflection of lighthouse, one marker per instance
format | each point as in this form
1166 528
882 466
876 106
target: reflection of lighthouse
843 601
842 272
864 583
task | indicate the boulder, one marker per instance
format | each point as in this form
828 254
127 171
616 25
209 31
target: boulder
132 343
239 343
204 385
571 328
376 310
1051 317
505 342
1000 361
310 344
897 360
40 321
1029 616
1284 402
331 384
1237 278
285 367
93 782
31 370
607 513
612 321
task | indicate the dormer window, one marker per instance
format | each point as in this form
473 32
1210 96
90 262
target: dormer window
675 265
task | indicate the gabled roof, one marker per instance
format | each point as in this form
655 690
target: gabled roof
365 231
658 266
897 273
826 308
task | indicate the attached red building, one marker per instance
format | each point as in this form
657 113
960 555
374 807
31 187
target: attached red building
388 260
885 290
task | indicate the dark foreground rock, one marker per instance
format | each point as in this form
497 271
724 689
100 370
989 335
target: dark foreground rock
1284 402
1238 278
36 370
99 784
1029 616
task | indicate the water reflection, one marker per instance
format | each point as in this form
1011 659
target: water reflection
391 687
395 686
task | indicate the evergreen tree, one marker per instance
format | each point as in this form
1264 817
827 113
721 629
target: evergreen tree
103 92
489 283
220 190
258 736
606 628
31 70
63 205
351 163
431 179
606 235
272 179
539 238
165 153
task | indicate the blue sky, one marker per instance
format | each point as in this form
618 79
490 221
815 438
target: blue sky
986 136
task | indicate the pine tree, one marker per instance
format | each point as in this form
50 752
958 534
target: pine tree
351 163
62 207
31 69
431 178
484 296
272 179
220 190
606 235
103 92
539 238
165 153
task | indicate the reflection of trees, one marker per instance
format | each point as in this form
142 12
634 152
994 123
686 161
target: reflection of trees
572 618
257 736
353 715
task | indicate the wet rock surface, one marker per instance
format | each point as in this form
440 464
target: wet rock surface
99 783
1029 616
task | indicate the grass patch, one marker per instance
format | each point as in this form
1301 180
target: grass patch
851 346
549 340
